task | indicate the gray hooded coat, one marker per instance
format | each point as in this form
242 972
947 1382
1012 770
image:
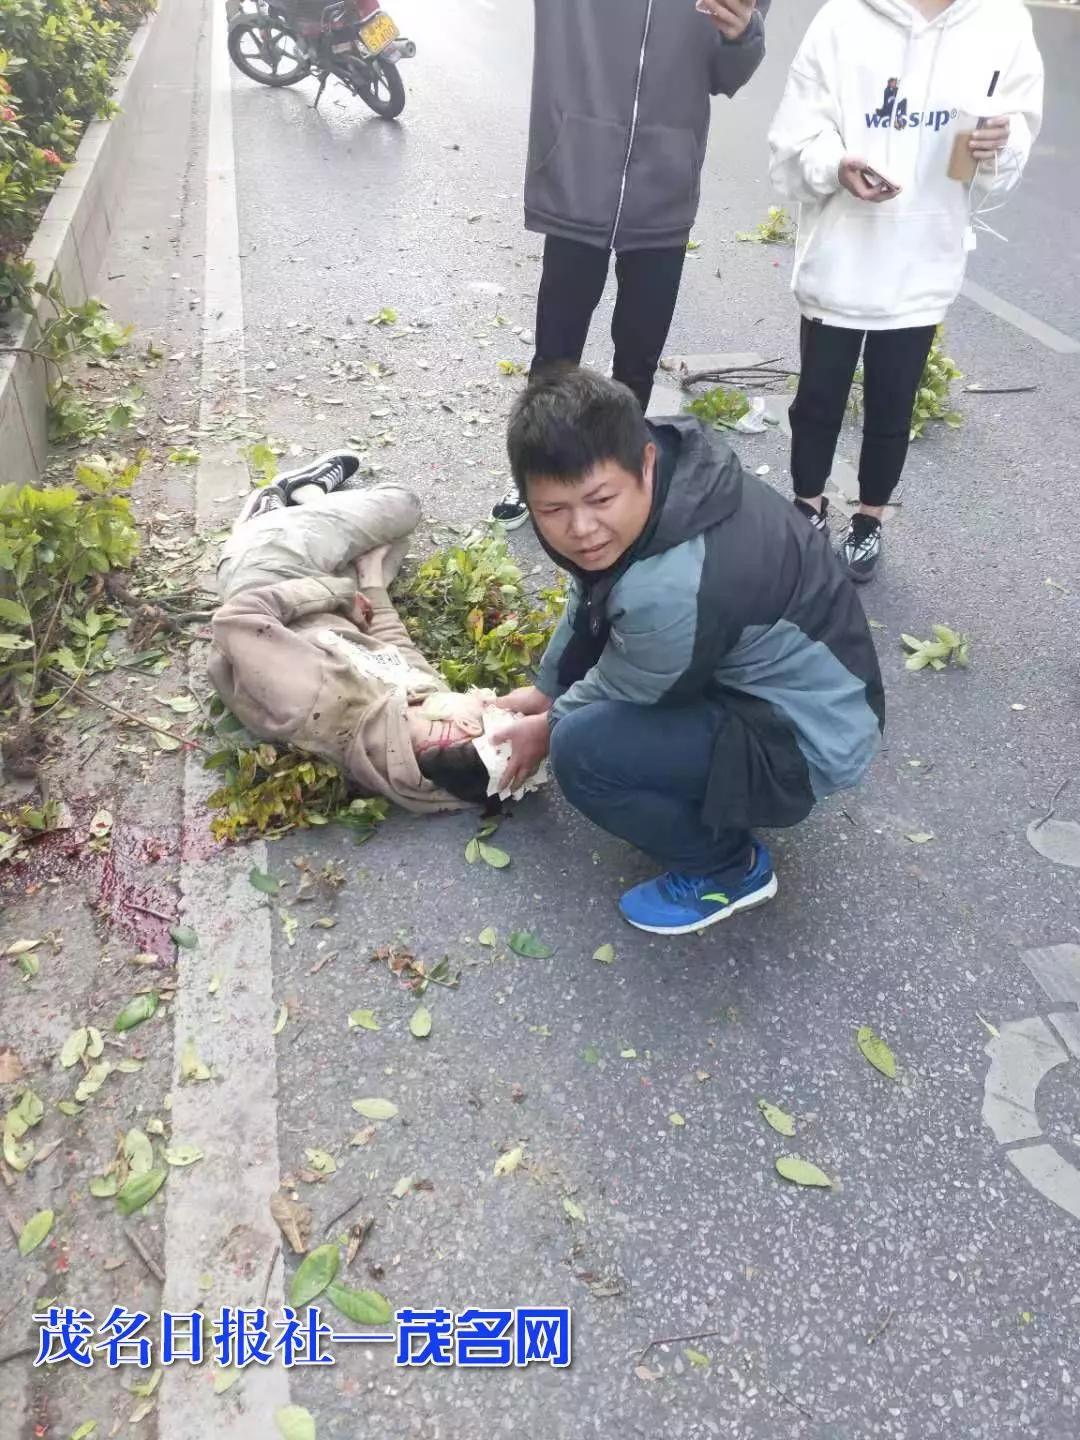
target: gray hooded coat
620 116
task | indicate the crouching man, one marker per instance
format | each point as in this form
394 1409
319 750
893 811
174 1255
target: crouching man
713 672
310 652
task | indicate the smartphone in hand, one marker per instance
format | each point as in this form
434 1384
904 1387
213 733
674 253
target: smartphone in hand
878 182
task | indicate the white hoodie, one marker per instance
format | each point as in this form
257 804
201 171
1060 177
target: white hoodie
873 79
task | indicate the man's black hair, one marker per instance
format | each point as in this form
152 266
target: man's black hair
458 770
569 420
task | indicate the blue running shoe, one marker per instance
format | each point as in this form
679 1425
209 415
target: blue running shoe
681 904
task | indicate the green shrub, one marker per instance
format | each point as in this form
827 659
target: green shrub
57 61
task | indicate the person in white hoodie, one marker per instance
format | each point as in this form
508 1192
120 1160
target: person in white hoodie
900 122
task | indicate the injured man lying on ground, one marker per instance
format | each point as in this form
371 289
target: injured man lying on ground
310 652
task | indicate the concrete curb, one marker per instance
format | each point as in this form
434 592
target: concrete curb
69 245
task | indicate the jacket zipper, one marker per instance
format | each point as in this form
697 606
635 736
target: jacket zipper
633 123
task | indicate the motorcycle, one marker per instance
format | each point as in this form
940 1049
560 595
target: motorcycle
281 42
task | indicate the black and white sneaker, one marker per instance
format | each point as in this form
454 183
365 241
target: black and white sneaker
262 502
819 519
860 549
511 511
337 470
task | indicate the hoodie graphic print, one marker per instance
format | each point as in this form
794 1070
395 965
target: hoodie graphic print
873 79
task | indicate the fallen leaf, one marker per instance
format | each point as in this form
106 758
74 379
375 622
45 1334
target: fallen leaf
128 1066
293 1421
644 1373
403 1186
95 1045
137 1190
74 1048
492 855
103 1187
181 1155
21 947
605 954
214 985
876 1051
289 925
920 837
365 1136
321 1161
375 1109
281 1019
630 1054
363 1307
292 1219
420 1024
68 1107
315 1273
17 1156
86 1428
781 1123
138 1152
363 1020
101 824
138 1009
522 942
697 1358
676 1119
184 936
506 1164
801 1172
591 1055
11 1067
263 882
191 1066
573 1211
35 1230
472 851
93 1080
488 937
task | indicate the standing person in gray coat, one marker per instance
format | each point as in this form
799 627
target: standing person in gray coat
619 127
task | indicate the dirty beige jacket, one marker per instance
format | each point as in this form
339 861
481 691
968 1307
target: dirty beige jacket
294 666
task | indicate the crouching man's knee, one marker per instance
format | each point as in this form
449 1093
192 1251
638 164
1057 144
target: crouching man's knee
578 744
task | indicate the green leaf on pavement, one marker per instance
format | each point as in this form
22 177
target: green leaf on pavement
492 855
281 1019
314 1274
876 1051
697 1358
506 1164
363 1307
138 1152
523 942
86 1428
573 1211
295 1423
137 1190
781 1123
321 1161
181 1155
35 1231
263 882
138 1009
375 1109
363 1020
920 837
74 1048
93 1080
605 954
472 851
95 1046
184 936
420 1024
488 937
676 1119
103 1187
801 1172
191 1066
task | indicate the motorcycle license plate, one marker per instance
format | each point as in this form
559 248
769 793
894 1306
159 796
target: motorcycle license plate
378 33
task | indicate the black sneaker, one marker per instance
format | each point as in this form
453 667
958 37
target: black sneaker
860 549
511 511
337 470
819 519
261 502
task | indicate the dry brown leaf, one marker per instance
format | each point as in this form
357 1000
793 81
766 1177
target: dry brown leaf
293 1220
357 1235
11 1067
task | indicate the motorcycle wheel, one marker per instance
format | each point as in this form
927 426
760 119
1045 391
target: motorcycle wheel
265 51
380 86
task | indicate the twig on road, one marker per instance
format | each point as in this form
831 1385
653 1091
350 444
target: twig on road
876 1335
341 1214
1053 802
270 1274
157 914
145 1256
675 1340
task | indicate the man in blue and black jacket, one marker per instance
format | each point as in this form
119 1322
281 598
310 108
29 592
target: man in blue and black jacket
713 672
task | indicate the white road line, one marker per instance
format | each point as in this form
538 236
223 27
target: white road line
1031 325
220 1238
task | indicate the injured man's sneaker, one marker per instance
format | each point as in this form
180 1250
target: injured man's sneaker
261 502
336 470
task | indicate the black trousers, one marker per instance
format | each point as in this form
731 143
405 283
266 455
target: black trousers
893 362
571 285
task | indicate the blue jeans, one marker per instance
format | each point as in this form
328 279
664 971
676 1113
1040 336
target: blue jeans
641 772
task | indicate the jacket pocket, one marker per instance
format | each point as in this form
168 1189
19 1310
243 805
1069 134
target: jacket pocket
880 266
580 177
663 182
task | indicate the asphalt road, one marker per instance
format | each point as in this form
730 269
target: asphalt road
932 1293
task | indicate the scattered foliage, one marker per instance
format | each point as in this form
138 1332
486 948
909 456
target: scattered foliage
720 408
775 229
948 647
